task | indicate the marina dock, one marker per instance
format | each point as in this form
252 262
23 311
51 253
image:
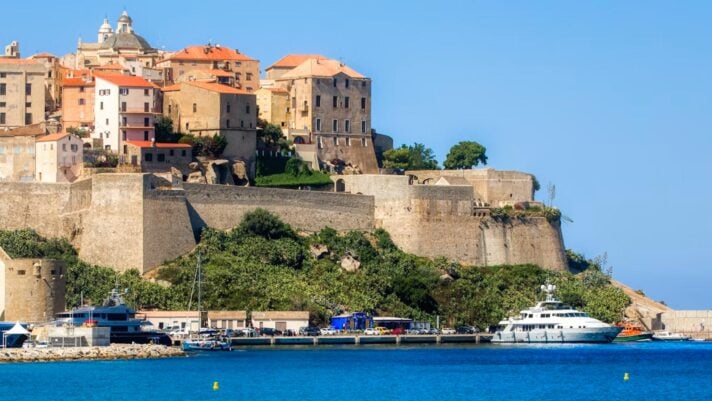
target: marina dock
363 339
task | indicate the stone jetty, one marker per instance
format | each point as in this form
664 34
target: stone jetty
114 351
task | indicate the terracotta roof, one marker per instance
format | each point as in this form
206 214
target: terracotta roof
126 81
110 66
293 60
220 88
171 88
208 53
4 60
52 137
76 82
221 73
44 55
320 68
286 315
160 145
77 73
30 130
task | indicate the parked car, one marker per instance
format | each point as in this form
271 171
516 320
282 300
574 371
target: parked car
412 331
371 331
398 331
247 332
447 330
433 330
327 331
467 330
268 331
384 331
309 331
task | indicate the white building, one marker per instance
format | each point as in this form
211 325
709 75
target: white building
280 320
58 158
124 110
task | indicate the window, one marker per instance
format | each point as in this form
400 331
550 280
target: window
64 147
346 102
3 104
3 89
227 123
347 126
107 121
335 126
242 124
335 80
348 141
363 103
336 141
145 135
335 101
148 157
248 76
170 152
123 135
146 121
123 106
318 101
169 109
124 121
146 107
247 109
363 84
81 89
161 157
195 107
28 89
346 83
187 125
182 153
123 91
81 102
3 75
28 118
363 126
318 125
228 107
101 105
145 92
28 104
237 76
2 118
126 148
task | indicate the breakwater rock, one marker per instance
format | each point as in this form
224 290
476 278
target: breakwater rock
114 351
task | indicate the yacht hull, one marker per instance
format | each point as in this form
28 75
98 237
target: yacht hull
588 335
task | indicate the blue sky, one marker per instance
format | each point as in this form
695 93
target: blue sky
608 100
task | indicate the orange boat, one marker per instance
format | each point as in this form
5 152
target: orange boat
632 332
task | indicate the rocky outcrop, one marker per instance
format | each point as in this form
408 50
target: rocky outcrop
350 264
114 351
318 251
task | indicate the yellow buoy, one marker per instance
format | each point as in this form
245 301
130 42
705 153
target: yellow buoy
216 386
625 376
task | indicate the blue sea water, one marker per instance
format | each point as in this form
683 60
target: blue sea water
657 371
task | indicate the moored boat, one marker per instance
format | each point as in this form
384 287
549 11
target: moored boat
551 321
667 336
206 345
632 332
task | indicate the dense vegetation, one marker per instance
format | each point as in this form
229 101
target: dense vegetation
263 264
287 172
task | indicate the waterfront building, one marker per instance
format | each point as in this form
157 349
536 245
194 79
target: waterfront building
190 320
351 321
17 153
212 63
124 110
22 92
280 320
209 109
59 157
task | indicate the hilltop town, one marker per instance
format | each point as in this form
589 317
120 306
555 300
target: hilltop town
130 152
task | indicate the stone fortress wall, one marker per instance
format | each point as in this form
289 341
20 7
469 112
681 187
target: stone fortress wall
139 221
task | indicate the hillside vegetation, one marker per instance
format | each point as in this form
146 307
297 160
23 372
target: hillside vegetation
264 264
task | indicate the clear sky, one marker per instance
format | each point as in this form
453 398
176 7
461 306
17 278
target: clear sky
610 101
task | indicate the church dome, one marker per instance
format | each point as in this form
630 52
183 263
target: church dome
105 27
125 40
125 17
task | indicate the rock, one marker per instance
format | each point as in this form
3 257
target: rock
239 170
219 172
318 250
446 279
194 166
350 264
196 177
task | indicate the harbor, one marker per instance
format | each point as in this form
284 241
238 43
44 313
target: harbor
112 352
363 340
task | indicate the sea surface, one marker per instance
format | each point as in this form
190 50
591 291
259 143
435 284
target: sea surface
656 371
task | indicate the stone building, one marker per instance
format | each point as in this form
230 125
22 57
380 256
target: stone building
330 108
273 106
31 290
22 92
212 63
52 81
115 46
155 157
208 109
280 320
59 157
125 108
78 103
288 62
17 153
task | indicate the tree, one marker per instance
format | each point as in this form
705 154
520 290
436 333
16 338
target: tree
416 157
270 134
164 130
465 155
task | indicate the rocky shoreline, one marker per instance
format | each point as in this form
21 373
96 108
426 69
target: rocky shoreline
114 351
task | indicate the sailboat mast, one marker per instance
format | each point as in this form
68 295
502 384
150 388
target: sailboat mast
200 282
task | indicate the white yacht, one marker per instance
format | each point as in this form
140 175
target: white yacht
667 336
551 321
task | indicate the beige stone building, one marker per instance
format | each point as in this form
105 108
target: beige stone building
212 63
59 158
287 63
78 103
330 109
22 92
208 109
156 157
53 81
280 320
273 106
17 153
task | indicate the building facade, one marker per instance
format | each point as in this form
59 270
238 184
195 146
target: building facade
17 153
154 157
280 320
212 63
22 92
125 108
273 106
59 158
78 103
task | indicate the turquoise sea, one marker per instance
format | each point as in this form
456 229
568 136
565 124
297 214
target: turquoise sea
657 371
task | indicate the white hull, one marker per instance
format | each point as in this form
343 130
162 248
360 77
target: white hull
571 335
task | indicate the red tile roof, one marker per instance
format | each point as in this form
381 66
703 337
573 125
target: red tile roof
126 81
160 145
44 55
110 66
293 60
218 88
66 82
52 137
208 53
221 73
320 68
4 60
171 88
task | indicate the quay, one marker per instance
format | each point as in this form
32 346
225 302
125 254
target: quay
363 339
114 351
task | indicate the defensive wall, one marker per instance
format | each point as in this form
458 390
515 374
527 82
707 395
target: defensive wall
448 220
695 323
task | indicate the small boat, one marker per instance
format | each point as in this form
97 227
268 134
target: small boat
206 345
552 321
667 336
632 332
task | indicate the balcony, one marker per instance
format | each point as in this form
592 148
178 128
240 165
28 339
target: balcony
138 111
136 126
